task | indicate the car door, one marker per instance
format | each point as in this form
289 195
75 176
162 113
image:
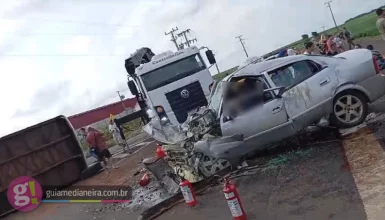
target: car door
318 90
266 122
308 87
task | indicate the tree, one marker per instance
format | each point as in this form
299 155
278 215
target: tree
305 36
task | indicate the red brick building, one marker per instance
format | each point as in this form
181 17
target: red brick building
99 117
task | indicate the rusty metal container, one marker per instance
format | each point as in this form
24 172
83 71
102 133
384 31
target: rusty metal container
49 152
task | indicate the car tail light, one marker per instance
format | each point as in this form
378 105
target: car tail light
376 67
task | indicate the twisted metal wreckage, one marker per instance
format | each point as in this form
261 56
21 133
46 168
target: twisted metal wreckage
186 145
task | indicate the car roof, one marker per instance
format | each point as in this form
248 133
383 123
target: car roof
259 68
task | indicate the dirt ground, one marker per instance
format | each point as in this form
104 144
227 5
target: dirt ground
124 175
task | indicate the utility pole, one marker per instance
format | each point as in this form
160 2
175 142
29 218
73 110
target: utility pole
188 42
173 38
243 44
121 97
331 11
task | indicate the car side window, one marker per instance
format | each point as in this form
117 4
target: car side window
291 75
315 67
267 96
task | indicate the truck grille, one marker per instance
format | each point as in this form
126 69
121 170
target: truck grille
180 105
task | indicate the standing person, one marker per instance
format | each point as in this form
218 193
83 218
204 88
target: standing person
349 38
381 22
331 46
83 136
98 146
309 48
339 43
116 134
291 52
282 53
323 48
379 58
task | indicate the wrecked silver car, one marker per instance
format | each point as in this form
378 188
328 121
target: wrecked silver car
266 102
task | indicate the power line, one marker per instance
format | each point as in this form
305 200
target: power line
173 38
184 34
73 22
58 55
241 40
331 12
64 34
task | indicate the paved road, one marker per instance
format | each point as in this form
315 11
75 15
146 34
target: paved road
377 42
340 179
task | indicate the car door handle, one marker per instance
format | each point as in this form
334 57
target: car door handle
277 109
325 81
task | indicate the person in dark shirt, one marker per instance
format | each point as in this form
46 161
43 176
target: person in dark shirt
97 144
379 58
349 38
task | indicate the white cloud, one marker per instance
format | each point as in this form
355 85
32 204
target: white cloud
96 37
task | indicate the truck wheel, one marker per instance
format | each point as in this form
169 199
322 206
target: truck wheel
91 171
350 108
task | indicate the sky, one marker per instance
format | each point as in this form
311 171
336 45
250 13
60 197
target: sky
66 57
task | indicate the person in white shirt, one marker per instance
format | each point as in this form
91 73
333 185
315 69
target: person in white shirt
339 43
116 134
291 52
309 48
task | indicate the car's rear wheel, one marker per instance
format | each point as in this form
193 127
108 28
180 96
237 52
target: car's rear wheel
350 108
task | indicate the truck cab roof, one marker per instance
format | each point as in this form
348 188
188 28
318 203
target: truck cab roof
165 58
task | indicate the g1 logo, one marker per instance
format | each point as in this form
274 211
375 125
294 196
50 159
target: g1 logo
24 193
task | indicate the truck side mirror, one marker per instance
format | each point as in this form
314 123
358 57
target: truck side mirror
210 57
132 87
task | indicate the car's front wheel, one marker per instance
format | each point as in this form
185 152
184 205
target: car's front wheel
350 108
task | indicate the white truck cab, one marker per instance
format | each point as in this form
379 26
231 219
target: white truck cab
174 83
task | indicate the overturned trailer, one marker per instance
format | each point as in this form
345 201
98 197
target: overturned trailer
48 152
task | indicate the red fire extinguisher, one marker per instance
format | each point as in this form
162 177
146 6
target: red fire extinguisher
145 180
160 152
233 201
188 192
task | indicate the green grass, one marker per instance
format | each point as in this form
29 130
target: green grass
222 75
364 26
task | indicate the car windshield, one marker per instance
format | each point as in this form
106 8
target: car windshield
173 72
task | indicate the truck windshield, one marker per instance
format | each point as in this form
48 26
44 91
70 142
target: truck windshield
173 72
